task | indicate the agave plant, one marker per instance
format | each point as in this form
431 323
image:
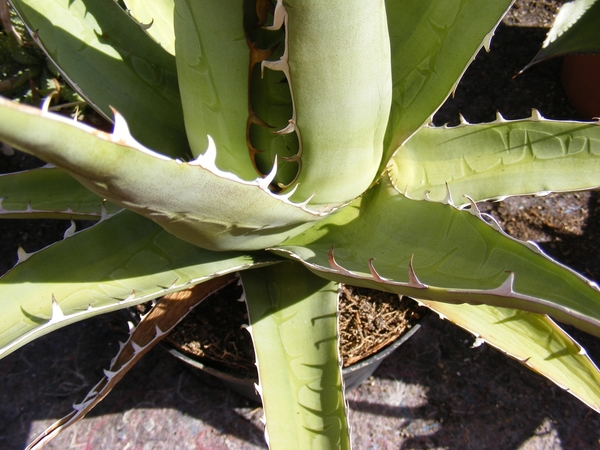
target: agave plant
575 30
293 139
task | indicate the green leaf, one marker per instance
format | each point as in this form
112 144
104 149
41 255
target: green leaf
111 62
498 159
435 252
195 201
575 30
120 262
156 16
293 322
534 340
339 152
432 42
212 65
48 193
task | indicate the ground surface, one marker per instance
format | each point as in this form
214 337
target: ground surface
434 392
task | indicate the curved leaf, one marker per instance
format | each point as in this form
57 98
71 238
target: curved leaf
432 42
195 201
156 17
153 327
49 193
534 340
293 323
575 30
120 262
111 62
340 150
435 252
499 159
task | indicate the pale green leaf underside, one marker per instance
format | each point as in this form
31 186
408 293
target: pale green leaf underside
456 258
432 42
534 340
157 15
48 193
111 62
575 30
120 262
293 322
498 159
195 201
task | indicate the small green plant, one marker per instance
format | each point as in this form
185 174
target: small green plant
575 31
291 142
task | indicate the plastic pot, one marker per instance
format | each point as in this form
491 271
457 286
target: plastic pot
581 81
354 375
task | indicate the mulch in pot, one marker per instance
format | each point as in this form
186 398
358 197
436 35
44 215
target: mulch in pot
214 334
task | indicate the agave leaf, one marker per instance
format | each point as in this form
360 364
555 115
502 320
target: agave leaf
49 193
111 62
498 159
293 322
435 252
575 30
156 17
432 42
340 152
534 340
195 201
154 326
120 262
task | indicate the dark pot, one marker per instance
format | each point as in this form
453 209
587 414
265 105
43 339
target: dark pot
581 80
354 375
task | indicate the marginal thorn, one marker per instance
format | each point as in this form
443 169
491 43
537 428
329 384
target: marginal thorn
70 231
413 281
109 374
477 342
159 332
474 210
265 182
335 266
506 288
103 211
57 312
448 199
279 16
305 203
536 115
374 272
22 255
136 348
287 195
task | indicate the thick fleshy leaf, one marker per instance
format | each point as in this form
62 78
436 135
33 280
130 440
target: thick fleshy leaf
49 193
293 322
433 251
432 42
120 262
156 16
153 327
534 340
111 62
498 159
575 30
195 201
339 149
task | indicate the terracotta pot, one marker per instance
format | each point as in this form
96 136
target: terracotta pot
354 375
581 80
